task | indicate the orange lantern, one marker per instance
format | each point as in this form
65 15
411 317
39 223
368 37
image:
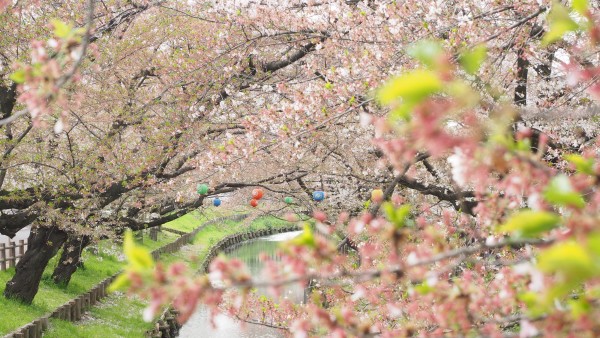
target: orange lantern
257 194
377 195
253 203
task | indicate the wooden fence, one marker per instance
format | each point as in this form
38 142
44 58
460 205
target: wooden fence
152 233
11 252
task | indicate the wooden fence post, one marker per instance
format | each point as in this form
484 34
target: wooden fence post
139 235
79 304
21 251
2 257
30 330
45 323
72 308
94 296
12 253
36 329
154 234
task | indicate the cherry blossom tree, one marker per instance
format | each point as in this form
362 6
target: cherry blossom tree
490 227
130 155
473 117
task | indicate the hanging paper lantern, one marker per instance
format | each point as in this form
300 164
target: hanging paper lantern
318 195
288 200
257 194
202 189
217 202
377 195
253 203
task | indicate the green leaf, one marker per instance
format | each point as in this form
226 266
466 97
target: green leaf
139 257
424 288
18 76
582 164
306 238
529 298
121 282
426 51
397 216
580 6
569 258
529 223
593 244
367 204
412 87
536 306
462 93
523 145
579 307
560 23
61 29
560 192
471 60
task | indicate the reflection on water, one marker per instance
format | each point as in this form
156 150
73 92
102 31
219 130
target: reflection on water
226 327
248 252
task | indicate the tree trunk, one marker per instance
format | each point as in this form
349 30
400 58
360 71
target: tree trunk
520 97
70 259
8 98
43 245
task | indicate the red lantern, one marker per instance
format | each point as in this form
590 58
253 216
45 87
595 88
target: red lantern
253 203
257 194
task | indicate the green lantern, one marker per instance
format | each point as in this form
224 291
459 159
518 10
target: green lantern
288 200
202 189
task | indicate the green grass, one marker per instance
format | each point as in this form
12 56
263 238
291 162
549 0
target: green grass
192 220
117 316
15 314
187 222
164 238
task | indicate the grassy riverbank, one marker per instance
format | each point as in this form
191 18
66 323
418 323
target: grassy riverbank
97 266
120 316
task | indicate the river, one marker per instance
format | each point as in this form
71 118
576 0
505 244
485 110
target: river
199 324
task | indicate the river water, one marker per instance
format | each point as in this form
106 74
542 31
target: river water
199 324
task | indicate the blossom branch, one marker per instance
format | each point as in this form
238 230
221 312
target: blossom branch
365 275
65 78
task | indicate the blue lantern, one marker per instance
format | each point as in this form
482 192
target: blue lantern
318 195
217 202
